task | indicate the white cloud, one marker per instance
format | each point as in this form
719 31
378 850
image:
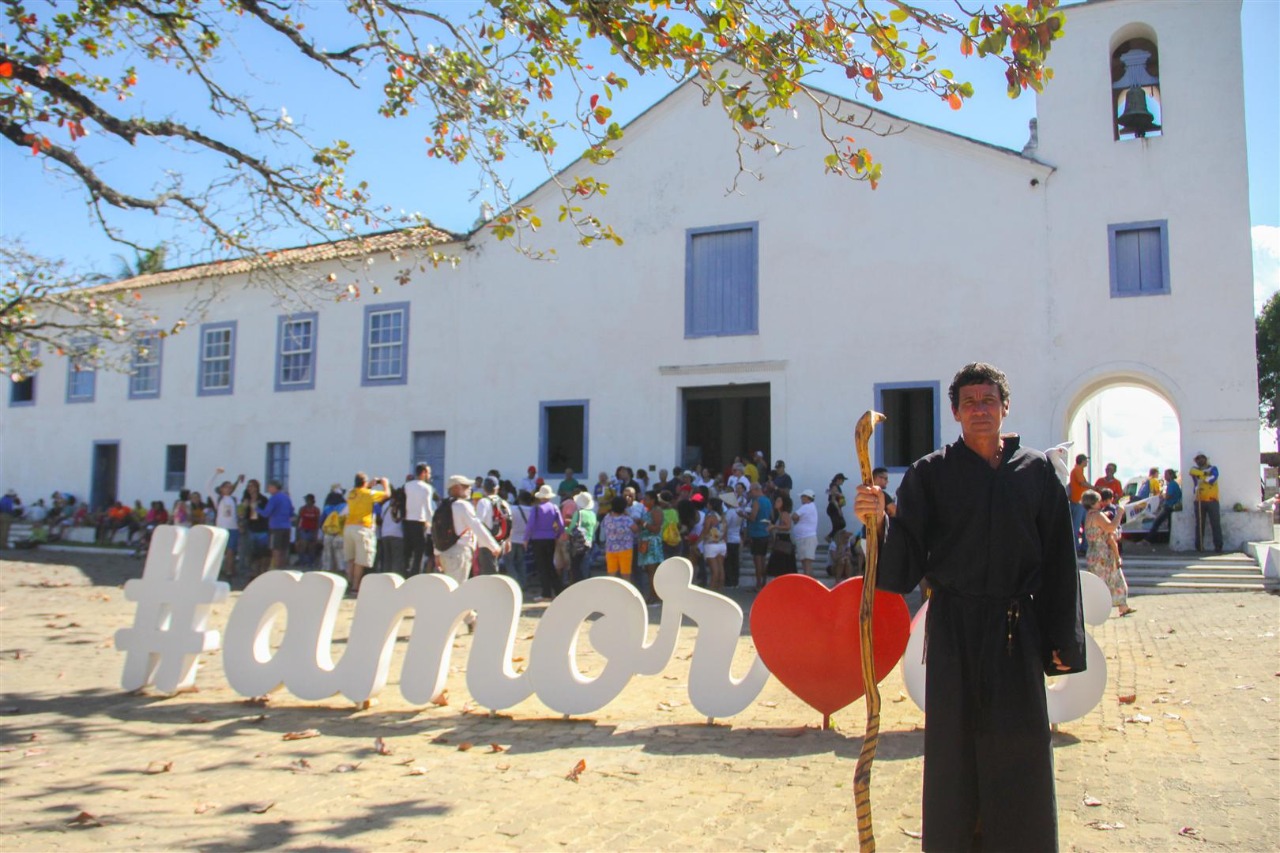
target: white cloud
1266 264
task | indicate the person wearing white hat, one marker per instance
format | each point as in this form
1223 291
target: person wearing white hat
456 542
582 536
541 531
805 531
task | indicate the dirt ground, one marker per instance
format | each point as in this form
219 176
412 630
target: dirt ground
1192 764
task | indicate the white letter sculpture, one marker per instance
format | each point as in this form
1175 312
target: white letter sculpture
1070 697
304 665
178 586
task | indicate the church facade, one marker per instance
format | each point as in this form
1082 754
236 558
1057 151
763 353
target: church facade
1113 250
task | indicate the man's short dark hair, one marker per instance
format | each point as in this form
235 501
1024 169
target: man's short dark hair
421 468
876 472
978 373
361 479
1081 458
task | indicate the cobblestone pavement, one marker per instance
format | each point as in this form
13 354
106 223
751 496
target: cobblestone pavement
207 771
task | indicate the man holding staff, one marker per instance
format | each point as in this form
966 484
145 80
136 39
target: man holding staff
987 523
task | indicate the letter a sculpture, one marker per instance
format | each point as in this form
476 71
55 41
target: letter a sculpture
871 738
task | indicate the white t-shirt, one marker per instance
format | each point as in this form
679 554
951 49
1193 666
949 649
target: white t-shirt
732 526
484 512
807 525
733 481
226 513
391 527
419 501
519 519
469 529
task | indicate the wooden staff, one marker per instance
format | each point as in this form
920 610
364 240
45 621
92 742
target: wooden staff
871 738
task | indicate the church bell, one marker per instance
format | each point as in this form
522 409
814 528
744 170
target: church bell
1136 117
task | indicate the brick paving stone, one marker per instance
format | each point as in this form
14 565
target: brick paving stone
1204 668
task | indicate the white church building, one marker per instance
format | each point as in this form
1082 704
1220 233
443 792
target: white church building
1107 253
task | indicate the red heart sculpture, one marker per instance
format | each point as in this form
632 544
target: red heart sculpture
807 635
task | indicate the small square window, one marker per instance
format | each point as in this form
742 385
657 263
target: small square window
1139 258
22 392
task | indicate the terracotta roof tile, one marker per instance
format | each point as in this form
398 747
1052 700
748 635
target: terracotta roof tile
386 241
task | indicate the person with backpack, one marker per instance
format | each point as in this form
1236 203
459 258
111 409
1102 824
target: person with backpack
495 515
457 533
582 536
540 534
671 536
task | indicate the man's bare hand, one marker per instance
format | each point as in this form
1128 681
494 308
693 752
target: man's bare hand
868 504
1057 662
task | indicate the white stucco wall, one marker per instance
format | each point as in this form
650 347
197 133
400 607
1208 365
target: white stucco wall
964 253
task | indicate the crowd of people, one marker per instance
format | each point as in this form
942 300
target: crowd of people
625 524
546 538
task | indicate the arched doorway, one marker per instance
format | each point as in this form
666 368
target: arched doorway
1130 425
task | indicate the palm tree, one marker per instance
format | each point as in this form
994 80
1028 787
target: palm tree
145 262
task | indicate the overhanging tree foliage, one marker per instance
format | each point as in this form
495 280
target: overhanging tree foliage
483 75
1268 341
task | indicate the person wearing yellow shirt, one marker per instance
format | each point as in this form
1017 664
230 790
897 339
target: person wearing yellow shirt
359 547
1205 477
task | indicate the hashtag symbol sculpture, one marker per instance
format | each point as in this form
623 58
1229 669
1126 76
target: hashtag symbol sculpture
179 585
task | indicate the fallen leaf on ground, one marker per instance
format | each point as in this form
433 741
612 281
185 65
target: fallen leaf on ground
440 739
1243 687
1266 698
380 746
792 732
677 678
35 750
84 819
465 746
440 699
1181 665
768 704
302 735
901 697
261 808
911 833
517 659
1138 718
1190 832
1127 698
1160 700
497 747
1104 826
577 770
418 771
669 706
156 767
300 766
347 768
1091 801
405 763
1172 716
202 808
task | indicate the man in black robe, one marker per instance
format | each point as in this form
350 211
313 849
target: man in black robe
987 523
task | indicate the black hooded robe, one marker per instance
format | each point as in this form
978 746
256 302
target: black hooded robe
996 546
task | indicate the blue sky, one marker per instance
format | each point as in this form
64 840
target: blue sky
50 214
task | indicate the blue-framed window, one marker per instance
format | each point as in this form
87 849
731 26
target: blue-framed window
913 422
217 359
386 344
563 432
721 281
278 463
175 467
296 351
82 377
22 392
144 373
1139 258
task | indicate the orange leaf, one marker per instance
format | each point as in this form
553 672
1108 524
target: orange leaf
6 69
954 100
302 735
464 746
578 770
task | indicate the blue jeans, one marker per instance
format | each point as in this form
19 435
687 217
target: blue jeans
1077 521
